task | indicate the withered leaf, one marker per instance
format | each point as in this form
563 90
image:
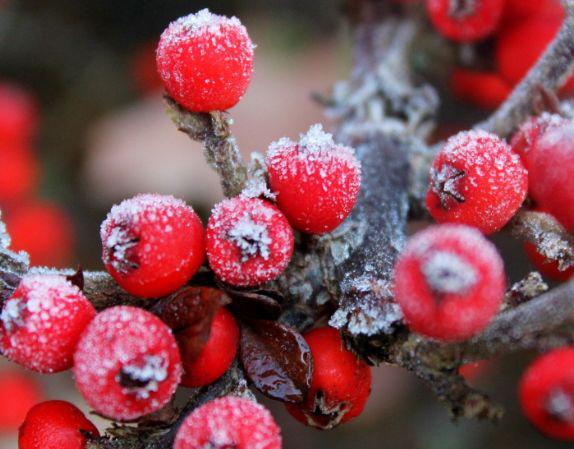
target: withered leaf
189 313
276 359
77 278
255 304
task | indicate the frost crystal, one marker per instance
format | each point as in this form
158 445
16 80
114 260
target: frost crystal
251 238
144 379
12 314
447 273
316 139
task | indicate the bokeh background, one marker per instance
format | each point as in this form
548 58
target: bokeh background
81 76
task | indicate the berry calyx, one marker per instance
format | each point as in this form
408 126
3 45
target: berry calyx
449 282
465 20
44 230
42 321
340 386
249 241
533 128
476 180
547 393
217 354
127 363
152 244
316 180
229 422
551 162
205 61
55 425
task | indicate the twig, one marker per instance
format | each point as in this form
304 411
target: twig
550 72
221 150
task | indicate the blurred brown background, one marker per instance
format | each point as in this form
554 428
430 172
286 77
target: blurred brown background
103 136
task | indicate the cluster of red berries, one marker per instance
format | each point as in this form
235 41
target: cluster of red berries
40 228
521 31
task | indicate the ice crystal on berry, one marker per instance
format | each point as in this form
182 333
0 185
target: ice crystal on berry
251 238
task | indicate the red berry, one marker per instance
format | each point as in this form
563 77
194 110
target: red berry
127 363
55 425
533 128
449 282
551 164
19 173
21 392
217 354
483 89
547 393
152 244
340 386
42 321
476 180
249 241
317 181
18 116
143 69
548 268
515 10
520 44
205 61
465 20
229 422
44 230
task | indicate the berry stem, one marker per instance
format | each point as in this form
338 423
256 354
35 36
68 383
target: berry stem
220 148
550 72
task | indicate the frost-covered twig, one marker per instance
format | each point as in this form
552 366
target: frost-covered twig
550 72
221 150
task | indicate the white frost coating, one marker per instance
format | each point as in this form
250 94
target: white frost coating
559 405
316 139
203 21
257 188
12 314
251 238
446 272
153 371
4 236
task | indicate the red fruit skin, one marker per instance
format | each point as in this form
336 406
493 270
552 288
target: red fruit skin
548 380
152 244
21 392
261 229
205 61
143 69
548 268
483 89
520 44
217 354
551 163
229 421
119 341
340 380
517 10
33 331
55 425
18 116
44 230
449 282
476 180
534 127
19 173
477 24
317 181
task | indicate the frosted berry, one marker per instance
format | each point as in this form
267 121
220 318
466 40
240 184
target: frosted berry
449 282
485 90
534 127
205 61
44 230
127 363
249 241
547 393
229 422
55 425
152 244
340 386
18 116
476 180
21 392
316 180
19 173
217 354
42 321
551 164
465 20
548 268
